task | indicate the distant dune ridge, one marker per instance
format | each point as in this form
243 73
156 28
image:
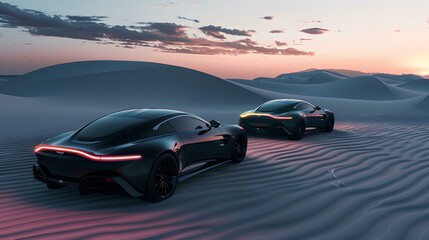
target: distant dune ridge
120 83
324 77
420 85
361 88
125 84
311 77
365 180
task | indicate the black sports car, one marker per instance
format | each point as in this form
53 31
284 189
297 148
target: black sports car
144 152
289 116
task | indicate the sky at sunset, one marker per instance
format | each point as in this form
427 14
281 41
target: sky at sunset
229 39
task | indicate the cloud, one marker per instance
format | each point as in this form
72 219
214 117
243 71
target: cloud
188 19
280 44
167 4
268 17
214 34
166 37
169 29
277 31
316 31
217 31
12 17
244 46
40 24
311 21
86 18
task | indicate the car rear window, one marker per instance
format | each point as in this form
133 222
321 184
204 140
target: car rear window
275 106
106 126
145 131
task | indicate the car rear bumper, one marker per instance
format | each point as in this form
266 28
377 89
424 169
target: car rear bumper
90 183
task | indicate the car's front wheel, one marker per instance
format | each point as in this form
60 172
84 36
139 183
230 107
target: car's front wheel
239 150
299 131
330 124
163 179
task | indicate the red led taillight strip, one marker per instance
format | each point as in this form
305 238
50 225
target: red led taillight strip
105 158
265 115
315 115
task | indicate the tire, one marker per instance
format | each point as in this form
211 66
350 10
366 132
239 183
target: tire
299 131
330 124
163 179
53 185
239 149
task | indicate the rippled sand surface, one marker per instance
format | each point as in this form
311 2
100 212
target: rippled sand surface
365 180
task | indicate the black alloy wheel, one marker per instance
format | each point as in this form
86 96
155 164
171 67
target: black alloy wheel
163 179
239 150
330 124
299 130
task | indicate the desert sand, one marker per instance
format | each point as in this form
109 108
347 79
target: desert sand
368 179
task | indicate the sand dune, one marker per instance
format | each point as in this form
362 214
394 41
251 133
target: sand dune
366 180
310 73
323 77
363 88
401 78
349 73
424 104
83 68
314 77
354 183
304 77
283 79
152 84
421 85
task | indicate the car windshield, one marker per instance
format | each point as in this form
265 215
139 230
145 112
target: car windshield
275 106
106 126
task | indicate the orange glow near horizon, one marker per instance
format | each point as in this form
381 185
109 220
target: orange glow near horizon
395 43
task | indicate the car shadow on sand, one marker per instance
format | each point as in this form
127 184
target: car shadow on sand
313 135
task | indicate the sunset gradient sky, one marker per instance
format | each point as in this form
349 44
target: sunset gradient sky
229 39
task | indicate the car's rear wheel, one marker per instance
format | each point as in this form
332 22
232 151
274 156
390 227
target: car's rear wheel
299 131
239 150
330 124
163 179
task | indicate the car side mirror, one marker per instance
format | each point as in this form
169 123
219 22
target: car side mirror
318 108
214 123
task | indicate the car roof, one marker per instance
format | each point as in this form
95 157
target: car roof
148 113
287 101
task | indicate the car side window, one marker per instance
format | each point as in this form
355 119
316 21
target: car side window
306 107
165 128
181 124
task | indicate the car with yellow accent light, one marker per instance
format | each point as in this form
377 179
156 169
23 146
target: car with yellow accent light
288 116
